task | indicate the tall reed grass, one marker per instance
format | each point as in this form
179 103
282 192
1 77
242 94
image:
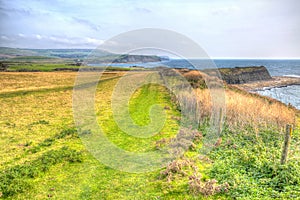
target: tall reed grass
245 109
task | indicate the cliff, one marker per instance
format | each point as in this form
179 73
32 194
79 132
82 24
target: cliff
239 75
136 59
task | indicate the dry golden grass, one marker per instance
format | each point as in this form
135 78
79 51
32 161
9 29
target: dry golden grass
12 81
193 75
16 81
244 109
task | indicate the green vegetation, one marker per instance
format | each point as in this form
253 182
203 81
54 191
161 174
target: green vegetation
250 163
49 141
239 70
31 58
42 155
57 53
40 128
69 55
15 179
49 67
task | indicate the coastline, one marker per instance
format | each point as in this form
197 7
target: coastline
275 82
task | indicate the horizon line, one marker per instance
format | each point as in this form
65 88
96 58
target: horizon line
212 57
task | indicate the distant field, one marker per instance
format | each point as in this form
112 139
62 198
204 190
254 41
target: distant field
49 67
44 67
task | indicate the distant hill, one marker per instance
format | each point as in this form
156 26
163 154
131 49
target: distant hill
7 53
60 55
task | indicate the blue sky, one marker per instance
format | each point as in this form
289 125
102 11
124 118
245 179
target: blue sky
224 28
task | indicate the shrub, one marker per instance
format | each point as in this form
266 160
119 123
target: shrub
250 163
210 187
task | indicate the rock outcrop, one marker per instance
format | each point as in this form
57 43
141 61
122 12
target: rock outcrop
239 75
136 59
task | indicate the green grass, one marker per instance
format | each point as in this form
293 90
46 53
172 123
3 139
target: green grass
15 179
29 58
250 163
147 96
39 129
239 70
41 155
48 66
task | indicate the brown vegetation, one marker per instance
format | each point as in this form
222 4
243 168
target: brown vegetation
210 187
245 109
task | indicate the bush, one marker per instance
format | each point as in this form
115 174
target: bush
251 166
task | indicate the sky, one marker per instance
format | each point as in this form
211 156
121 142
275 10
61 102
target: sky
223 28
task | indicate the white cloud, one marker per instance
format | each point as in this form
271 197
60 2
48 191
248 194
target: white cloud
87 23
38 36
225 10
3 37
223 27
21 35
93 41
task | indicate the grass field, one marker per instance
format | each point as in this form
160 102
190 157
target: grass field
41 155
16 66
33 119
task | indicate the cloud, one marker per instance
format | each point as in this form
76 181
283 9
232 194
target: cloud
21 35
87 23
143 10
38 36
3 37
15 11
225 10
44 41
222 27
75 41
92 41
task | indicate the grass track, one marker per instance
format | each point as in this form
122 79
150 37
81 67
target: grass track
28 120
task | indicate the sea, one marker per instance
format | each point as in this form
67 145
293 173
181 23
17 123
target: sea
291 68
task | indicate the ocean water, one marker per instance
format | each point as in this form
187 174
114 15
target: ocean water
275 67
289 94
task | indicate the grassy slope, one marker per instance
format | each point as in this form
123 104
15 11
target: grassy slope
29 119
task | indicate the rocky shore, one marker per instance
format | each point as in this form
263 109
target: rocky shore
276 81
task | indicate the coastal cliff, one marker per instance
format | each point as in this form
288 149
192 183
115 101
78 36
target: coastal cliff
136 58
240 75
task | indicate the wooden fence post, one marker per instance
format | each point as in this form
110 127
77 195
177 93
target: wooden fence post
220 121
287 139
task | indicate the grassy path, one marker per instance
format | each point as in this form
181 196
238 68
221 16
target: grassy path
29 120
